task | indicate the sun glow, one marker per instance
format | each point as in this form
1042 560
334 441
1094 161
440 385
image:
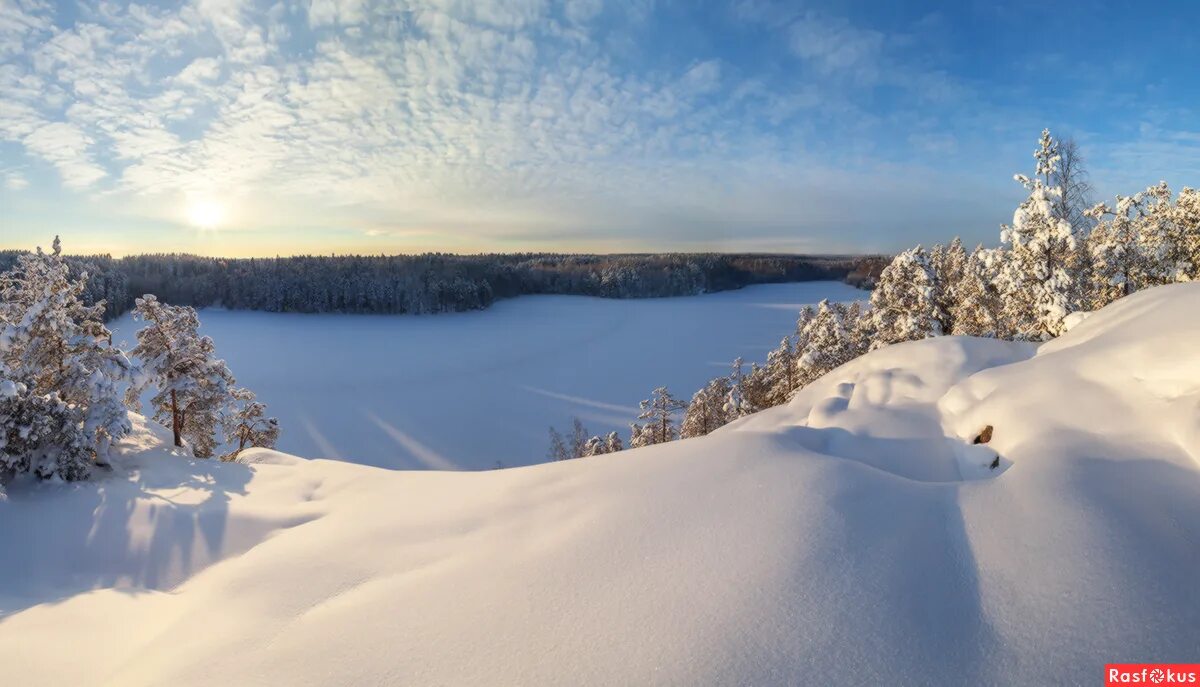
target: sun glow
205 214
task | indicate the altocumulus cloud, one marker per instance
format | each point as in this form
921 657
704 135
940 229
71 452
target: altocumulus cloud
492 122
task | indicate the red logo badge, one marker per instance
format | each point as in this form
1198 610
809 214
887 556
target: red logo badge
1118 674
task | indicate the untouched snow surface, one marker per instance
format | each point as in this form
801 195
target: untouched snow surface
852 537
468 390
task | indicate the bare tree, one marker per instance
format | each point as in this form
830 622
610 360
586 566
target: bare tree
1072 178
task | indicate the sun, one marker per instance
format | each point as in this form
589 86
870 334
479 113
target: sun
205 214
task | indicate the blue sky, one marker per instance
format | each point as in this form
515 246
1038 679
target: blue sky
248 128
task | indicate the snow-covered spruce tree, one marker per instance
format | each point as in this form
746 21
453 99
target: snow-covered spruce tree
707 411
659 412
977 308
902 303
247 425
1037 281
41 435
59 346
194 388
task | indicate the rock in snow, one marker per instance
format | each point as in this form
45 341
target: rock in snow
855 536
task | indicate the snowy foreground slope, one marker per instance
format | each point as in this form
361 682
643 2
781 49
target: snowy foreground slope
852 537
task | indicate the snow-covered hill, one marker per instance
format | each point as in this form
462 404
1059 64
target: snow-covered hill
852 537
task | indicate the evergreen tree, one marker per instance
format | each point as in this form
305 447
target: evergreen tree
860 326
707 411
829 343
1038 281
248 425
194 388
1187 218
594 446
1164 242
735 403
659 412
782 373
1115 259
612 443
947 265
902 303
755 390
59 346
40 434
977 308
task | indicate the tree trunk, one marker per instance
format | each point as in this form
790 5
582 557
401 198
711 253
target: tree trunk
175 423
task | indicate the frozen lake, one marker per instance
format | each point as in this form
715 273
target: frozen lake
468 390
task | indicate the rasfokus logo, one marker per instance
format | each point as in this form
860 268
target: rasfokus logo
1151 674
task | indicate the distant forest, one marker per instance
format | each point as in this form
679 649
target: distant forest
435 282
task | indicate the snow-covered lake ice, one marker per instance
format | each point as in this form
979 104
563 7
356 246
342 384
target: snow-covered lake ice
463 391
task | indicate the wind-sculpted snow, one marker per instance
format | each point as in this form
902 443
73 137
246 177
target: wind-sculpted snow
847 538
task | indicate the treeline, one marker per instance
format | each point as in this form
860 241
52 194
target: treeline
66 391
1061 255
434 282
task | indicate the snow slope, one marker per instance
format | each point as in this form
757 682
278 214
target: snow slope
465 390
851 537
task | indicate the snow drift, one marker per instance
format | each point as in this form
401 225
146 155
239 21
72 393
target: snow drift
855 536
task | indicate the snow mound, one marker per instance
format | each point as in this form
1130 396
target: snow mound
842 539
881 410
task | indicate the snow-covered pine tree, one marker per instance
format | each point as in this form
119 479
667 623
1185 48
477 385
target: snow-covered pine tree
638 436
860 327
1163 240
977 308
902 303
707 410
782 373
41 435
755 390
59 346
1115 258
828 343
612 443
659 412
1038 280
248 425
947 264
194 388
735 402
1187 218
594 446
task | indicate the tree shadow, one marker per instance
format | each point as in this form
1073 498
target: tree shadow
150 529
